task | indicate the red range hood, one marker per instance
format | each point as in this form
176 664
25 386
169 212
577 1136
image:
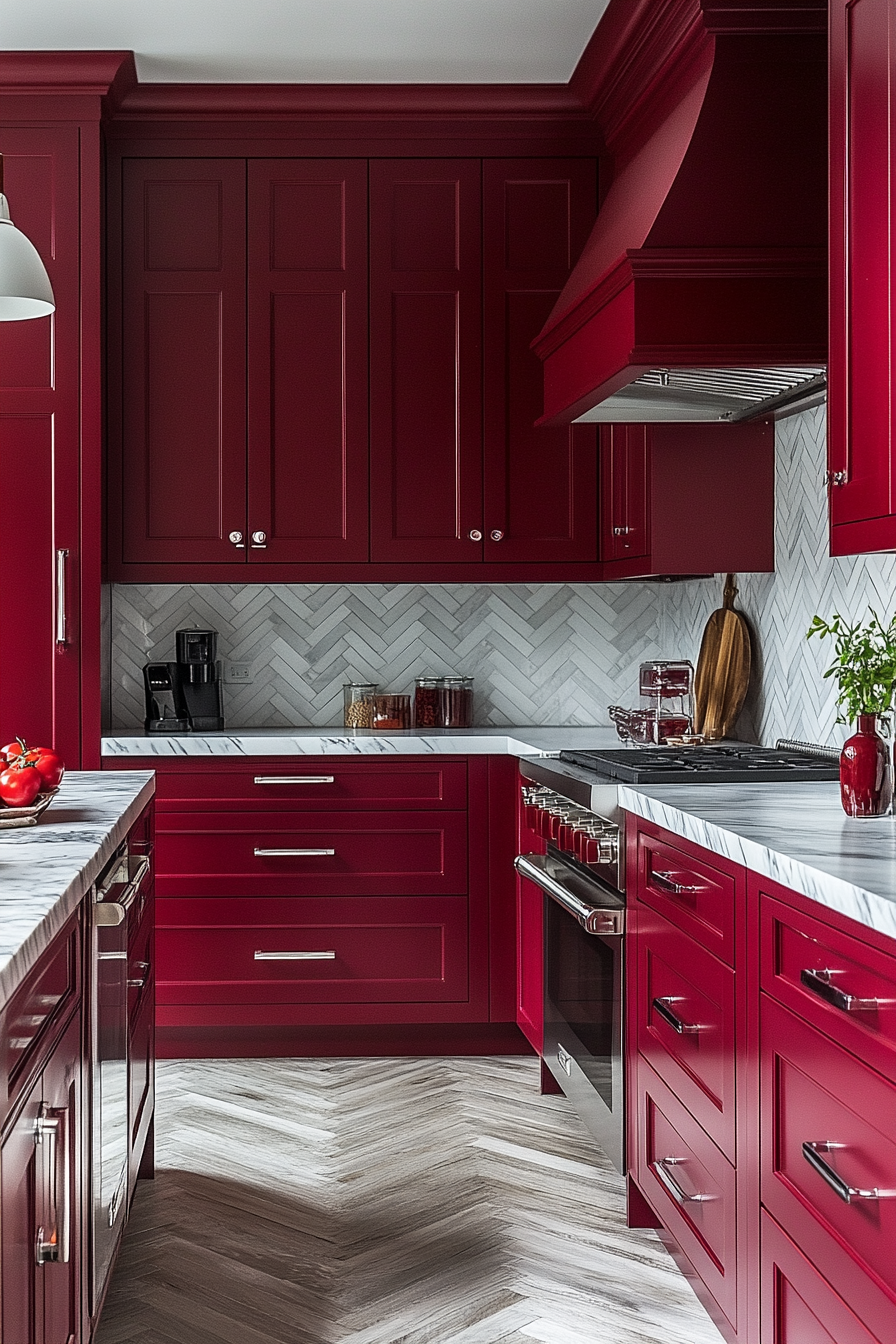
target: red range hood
701 293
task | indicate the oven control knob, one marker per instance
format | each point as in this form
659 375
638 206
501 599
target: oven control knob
565 833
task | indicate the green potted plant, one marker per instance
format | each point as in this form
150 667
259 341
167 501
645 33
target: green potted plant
865 668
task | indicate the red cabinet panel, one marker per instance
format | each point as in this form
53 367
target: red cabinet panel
686 1025
257 952
425 360
862 365
184 374
696 896
798 1305
539 484
40 450
312 784
624 486
307 343
345 854
690 1185
851 989
530 963
824 1111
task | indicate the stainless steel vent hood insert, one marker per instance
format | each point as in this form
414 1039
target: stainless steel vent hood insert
698 395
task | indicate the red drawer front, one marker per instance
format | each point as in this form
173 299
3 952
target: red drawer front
692 894
800 1307
679 980
814 1092
382 853
47 992
384 951
315 783
851 989
701 1214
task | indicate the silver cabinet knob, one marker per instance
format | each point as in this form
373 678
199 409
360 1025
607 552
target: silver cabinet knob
236 538
259 541
496 534
835 478
621 531
475 534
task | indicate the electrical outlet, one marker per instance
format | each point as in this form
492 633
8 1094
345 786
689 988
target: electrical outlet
238 673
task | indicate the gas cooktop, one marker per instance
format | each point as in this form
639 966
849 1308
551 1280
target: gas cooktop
734 763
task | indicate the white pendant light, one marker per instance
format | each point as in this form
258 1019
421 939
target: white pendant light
25 289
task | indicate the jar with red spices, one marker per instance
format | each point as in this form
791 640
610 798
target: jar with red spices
427 702
443 702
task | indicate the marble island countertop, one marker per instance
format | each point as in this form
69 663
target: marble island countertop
488 741
46 869
796 834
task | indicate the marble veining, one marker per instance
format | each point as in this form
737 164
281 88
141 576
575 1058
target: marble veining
795 834
509 741
46 869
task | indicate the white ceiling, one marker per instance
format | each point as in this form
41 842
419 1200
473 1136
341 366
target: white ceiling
317 41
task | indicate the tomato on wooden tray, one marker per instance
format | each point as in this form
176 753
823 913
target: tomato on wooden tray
48 763
20 785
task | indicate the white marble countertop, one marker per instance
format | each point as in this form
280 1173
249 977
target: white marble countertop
46 869
797 834
498 741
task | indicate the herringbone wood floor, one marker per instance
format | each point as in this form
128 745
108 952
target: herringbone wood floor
426 1201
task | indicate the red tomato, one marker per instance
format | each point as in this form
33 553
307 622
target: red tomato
19 785
48 765
13 748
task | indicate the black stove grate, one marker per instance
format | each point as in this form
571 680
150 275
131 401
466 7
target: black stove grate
735 764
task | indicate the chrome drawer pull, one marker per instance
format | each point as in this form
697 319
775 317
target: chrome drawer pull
666 882
677 1025
295 956
680 1196
819 982
812 1150
295 779
52 1126
293 853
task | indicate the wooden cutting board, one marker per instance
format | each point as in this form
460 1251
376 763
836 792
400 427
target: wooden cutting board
723 669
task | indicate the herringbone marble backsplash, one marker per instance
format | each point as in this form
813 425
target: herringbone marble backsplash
541 654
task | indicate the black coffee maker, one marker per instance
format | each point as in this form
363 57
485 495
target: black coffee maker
185 696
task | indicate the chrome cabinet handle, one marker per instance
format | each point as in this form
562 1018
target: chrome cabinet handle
140 984
237 539
51 1127
835 478
661 1167
475 534
812 1150
62 555
675 1022
666 882
108 915
293 853
621 531
259 541
497 534
819 982
295 779
132 890
295 956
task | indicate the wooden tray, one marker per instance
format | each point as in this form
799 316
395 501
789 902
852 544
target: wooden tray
13 817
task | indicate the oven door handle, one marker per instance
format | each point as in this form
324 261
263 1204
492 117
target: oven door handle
603 920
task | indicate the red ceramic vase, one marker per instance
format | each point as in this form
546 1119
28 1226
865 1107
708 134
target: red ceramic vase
866 771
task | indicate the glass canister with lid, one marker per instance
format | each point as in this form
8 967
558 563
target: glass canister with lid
358 703
443 702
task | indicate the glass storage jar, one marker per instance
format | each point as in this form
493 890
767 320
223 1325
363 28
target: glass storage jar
443 702
358 697
391 712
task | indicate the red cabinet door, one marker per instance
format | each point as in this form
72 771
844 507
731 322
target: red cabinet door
862 367
539 484
425 360
19 1283
40 454
624 486
307 367
184 362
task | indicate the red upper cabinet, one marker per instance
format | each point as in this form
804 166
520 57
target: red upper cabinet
539 484
862 370
307 327
687 499
425 360
40 453
184 365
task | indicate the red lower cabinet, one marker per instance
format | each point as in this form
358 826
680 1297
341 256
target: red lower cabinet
798 1305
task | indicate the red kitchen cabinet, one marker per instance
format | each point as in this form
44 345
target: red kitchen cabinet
862 361
798 1305
425 360
307 343
539 483
40 455
686 499
529 940
183 477
226 463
